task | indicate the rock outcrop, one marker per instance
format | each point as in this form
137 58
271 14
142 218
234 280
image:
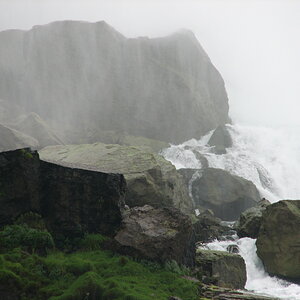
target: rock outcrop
81 76
220 140
221 268
150 178
225 194
278 242
11 139
249 222
71 201
208 228
162 234
34 126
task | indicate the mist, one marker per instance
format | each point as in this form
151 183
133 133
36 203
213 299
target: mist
254 44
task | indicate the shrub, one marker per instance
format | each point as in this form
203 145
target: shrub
92 242
29 239
32 220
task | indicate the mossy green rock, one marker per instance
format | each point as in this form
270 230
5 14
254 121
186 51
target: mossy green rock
278 242
221 268
150 178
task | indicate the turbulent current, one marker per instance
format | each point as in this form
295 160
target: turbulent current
270 158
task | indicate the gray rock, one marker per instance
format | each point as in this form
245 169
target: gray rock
11 139
278 241
208 228
34 126
220 140
249 222
163 234
225 194
150 178
80 75
221 268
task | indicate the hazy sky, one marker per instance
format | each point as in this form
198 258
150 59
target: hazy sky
255 44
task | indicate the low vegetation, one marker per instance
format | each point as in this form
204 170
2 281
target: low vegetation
31 268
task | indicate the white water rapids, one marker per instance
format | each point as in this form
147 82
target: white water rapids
270 158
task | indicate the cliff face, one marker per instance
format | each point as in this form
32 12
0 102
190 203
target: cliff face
81 76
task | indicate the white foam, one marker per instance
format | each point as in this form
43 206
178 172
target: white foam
258 280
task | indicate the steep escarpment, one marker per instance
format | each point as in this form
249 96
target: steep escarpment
83 76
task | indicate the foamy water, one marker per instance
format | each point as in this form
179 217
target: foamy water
270 158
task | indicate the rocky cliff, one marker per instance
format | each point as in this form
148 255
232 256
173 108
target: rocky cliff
81 76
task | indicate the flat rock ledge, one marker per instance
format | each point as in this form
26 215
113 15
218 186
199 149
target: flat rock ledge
220 293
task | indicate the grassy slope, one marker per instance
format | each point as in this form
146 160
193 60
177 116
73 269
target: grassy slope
88 275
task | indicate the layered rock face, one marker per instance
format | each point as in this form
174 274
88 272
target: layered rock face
162 234
150 178
278 242
79 75
71 201
225 194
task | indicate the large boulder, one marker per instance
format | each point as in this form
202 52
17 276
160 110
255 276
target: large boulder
278 242
249 222
220 140
150 178
81 75
11 139
225 194
34 126
162 234
221 268
71 201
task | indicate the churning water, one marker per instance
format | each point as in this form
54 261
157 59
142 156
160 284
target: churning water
257 279
270 158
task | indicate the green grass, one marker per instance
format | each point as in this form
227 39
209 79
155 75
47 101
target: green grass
89 275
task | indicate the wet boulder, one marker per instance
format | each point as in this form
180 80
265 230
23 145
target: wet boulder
225 194
220 140
150 178
221 268
249 222
278 242
158 234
